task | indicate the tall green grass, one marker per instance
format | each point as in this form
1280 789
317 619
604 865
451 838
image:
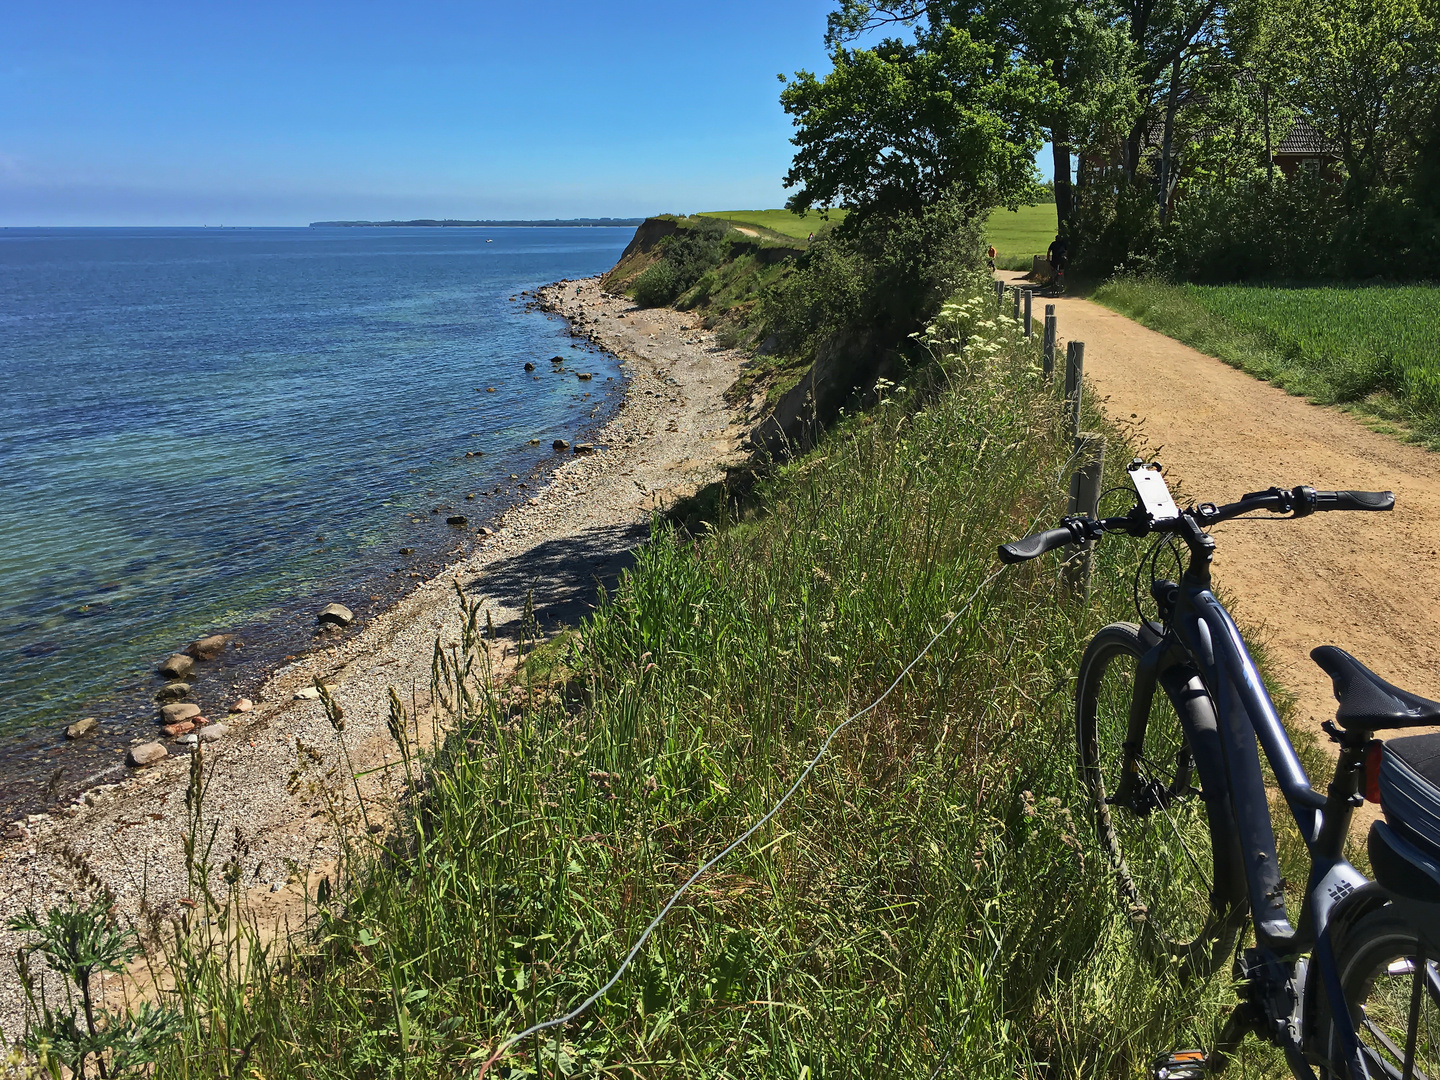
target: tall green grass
1370 348
931 903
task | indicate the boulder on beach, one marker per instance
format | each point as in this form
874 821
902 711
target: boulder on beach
177 666
207 648
338 614
457 519
172 691
243 705
81 728
212 732
181 710
174 731
584 448
147 753
560 444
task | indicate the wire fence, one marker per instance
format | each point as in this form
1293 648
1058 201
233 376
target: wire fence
560 1021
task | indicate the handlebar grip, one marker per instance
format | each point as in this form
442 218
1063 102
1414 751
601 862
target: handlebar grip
1036 545
1354 500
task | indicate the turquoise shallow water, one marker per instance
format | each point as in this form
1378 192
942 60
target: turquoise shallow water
210 429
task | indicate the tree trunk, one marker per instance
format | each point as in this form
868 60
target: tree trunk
1064 195
1167 143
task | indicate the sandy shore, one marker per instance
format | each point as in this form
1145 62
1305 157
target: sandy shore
673 433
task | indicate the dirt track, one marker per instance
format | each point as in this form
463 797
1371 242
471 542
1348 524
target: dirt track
1369 583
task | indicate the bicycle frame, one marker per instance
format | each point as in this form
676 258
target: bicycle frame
1201 636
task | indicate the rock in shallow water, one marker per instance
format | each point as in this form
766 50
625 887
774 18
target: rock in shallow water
147 753
560 444
81 728
207 648
173 714
243 705
338 614
457 519
174 691
174 731
177 666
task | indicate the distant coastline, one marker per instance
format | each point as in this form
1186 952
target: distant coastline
451 223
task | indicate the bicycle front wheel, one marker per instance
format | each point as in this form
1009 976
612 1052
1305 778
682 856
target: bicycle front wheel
1173 864
1391 998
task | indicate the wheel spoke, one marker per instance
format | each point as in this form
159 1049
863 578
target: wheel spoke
1194 863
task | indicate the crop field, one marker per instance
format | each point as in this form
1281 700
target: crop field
785 222
1372 349
1020 234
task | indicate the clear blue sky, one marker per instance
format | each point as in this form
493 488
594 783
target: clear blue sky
262 113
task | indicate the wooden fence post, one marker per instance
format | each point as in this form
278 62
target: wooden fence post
1049 341
1016 313
1029 300
1074 380
999 291
1085 485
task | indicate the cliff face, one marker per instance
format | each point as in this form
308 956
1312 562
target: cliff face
639 253
845 367
747 256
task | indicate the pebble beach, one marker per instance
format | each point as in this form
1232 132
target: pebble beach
673 433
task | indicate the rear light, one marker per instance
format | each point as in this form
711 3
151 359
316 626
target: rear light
1372 770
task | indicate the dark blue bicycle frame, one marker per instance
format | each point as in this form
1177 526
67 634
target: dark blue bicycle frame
1209 639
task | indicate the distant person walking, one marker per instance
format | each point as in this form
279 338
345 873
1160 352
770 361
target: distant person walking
990 258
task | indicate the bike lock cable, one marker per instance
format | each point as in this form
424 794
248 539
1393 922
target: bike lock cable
675 897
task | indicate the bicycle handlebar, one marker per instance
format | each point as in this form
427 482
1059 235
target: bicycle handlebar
1036 545
1298 502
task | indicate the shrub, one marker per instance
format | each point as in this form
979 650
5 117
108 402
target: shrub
883 274
657 286
685 257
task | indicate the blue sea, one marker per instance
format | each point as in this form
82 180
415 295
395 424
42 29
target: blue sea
220 430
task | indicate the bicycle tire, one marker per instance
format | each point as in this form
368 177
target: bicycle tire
1178 870
1366 959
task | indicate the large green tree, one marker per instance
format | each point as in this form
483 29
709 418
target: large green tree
1076 45
1369 83
894 127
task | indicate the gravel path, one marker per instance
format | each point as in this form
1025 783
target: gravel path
673 433
1369 583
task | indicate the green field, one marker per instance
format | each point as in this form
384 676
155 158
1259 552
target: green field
784 222
1371 349
1020 234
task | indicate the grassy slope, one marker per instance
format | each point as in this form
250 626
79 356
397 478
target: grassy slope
930 897
1370 349
785 222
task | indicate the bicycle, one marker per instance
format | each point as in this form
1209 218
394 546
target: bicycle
1181 807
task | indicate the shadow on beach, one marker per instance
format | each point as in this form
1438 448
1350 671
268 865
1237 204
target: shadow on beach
563 576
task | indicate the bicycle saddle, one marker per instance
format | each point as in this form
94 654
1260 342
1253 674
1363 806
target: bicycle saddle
1367 701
